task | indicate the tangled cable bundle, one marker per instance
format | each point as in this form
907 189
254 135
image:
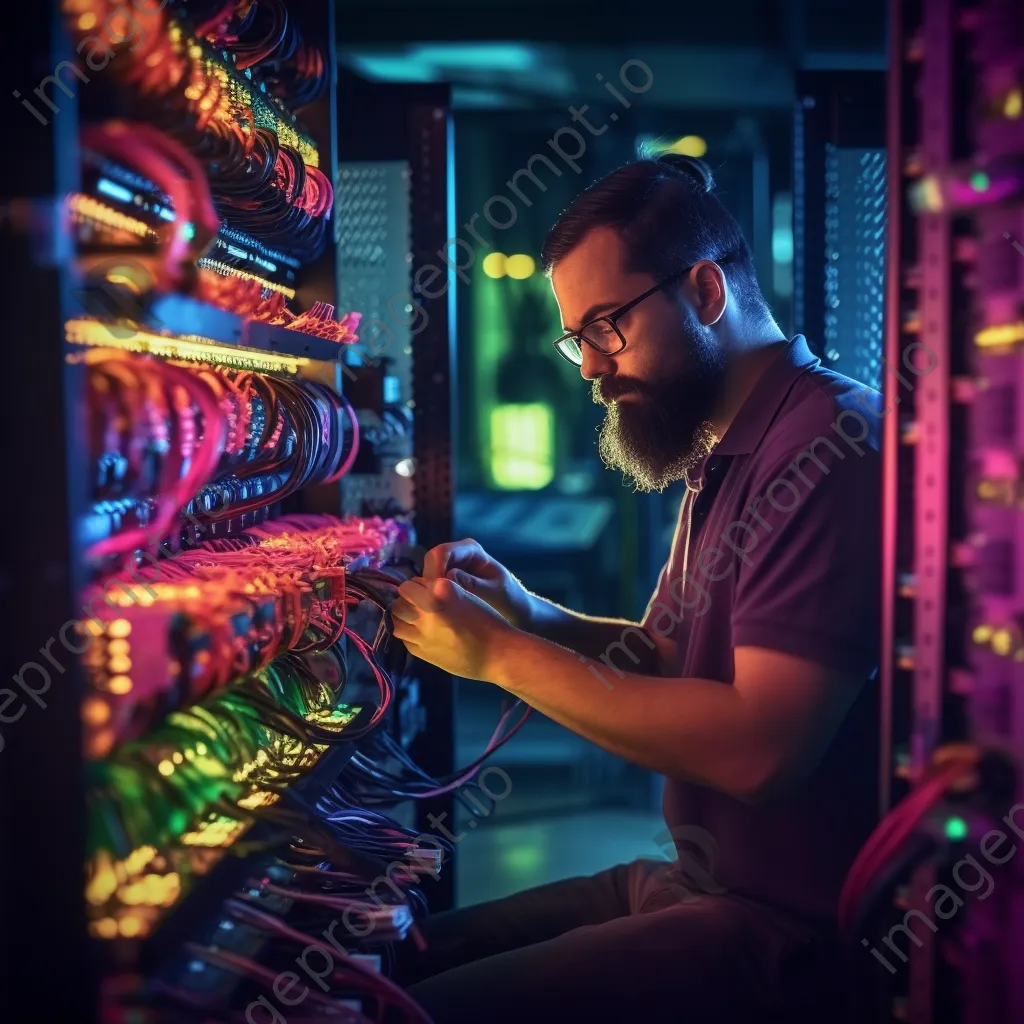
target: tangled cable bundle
253 300
262 173
243 297
261 32
228 608
177 173
270 192
205 773
172 438
140 408
173 170
320 321
239 747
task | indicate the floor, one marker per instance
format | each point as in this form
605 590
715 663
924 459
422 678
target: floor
498 859
562 807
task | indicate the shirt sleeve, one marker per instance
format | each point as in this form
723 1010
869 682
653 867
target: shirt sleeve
659 594
810 585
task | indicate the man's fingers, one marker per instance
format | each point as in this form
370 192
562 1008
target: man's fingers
463 579
462 554
417 593
472 583
403 611
405 631
415 650
435 562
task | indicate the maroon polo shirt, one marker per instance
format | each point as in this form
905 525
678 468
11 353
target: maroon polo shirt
784 553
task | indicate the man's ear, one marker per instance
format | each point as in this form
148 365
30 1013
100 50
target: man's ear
711 291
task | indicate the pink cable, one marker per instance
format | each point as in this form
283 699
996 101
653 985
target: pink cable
385 689
215 427
203 214
115 140
217 22
488 750
351 457
203 465
890 834
225 958
398 996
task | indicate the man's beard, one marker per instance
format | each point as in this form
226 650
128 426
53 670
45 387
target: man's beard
664 432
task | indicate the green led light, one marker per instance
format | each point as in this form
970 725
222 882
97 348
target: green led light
980 181
523 859
522 446
956 829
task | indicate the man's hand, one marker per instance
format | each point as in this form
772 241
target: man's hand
466 563
442 624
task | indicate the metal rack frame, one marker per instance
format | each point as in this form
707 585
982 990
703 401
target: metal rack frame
916 448
413 124
45 959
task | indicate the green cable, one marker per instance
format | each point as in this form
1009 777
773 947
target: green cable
140 804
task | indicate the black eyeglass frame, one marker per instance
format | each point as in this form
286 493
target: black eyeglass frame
613 318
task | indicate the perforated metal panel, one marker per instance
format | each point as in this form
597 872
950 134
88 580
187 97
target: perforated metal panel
372 233
855 207
374 260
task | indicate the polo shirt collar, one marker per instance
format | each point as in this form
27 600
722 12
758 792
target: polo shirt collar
756 414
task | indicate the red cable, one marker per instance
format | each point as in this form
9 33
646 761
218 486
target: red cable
891 834
215 25
114 140
351 457
492 745
203 215
201 467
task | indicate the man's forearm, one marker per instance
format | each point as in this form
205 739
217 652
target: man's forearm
694 729
616 643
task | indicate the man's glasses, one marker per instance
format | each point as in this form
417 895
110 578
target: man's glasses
604 334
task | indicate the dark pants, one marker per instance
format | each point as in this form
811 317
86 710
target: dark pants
631 944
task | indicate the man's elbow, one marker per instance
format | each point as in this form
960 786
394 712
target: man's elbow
759 795
753 794
767 780
659 657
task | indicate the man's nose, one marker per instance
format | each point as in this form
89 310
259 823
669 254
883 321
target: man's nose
595 364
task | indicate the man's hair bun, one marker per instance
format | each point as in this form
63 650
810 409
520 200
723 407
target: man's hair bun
690 166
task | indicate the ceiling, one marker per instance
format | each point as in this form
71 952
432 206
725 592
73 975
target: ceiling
731 54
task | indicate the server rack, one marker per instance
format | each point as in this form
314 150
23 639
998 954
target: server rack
951 523
51 968
839 204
